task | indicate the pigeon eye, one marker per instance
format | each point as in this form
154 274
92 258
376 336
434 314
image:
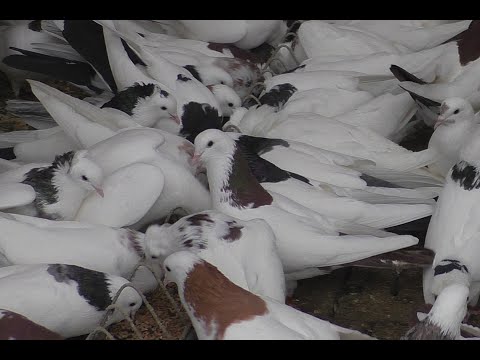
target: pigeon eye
132 304
230 104
154 257
221 82
167 268
84 178
210 143
456 111
163 108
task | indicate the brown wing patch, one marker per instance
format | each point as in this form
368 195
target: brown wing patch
17 327
217 301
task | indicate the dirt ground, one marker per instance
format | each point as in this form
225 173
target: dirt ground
357 298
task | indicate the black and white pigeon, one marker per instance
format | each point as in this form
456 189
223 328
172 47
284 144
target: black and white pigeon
453 234
68 299
115 251
244 251
221 310
304 239
444 320
59 189
14 326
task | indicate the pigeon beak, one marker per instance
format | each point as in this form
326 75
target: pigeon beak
166 280
175 118
440 121
99 191
210 87
196 159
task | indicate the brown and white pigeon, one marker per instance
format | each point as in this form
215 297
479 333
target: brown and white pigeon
221 310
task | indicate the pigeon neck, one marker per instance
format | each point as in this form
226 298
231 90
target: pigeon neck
237 186
214 302
449 139
448 323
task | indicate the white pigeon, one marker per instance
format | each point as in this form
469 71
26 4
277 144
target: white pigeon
454 126
378 64
411 33
67 299
327 102
330 134
14 326
221 310
246 34
444 320
453 234
318 37
110 250
316 242
244 251
59 188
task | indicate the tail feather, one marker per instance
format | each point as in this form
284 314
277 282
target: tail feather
403 75
77 72
12 138
412 257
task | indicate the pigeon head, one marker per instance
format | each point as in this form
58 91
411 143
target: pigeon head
212 144
228 100
454 111
160 106
128 302
146 103
213 75
159 243
450 309
447 272
86 173
178 265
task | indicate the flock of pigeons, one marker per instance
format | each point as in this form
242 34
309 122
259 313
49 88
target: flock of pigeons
285 170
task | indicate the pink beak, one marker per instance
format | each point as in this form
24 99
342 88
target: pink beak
175 118
440 121
99 191
196 159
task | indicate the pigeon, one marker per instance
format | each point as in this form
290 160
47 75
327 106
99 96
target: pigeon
146 104
69 300
14 326
59 188
245 34
455 124
411 33
452 234
244 251
221 310
318 37
321 200
180 186
236 192
444 319
330 134
115 251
